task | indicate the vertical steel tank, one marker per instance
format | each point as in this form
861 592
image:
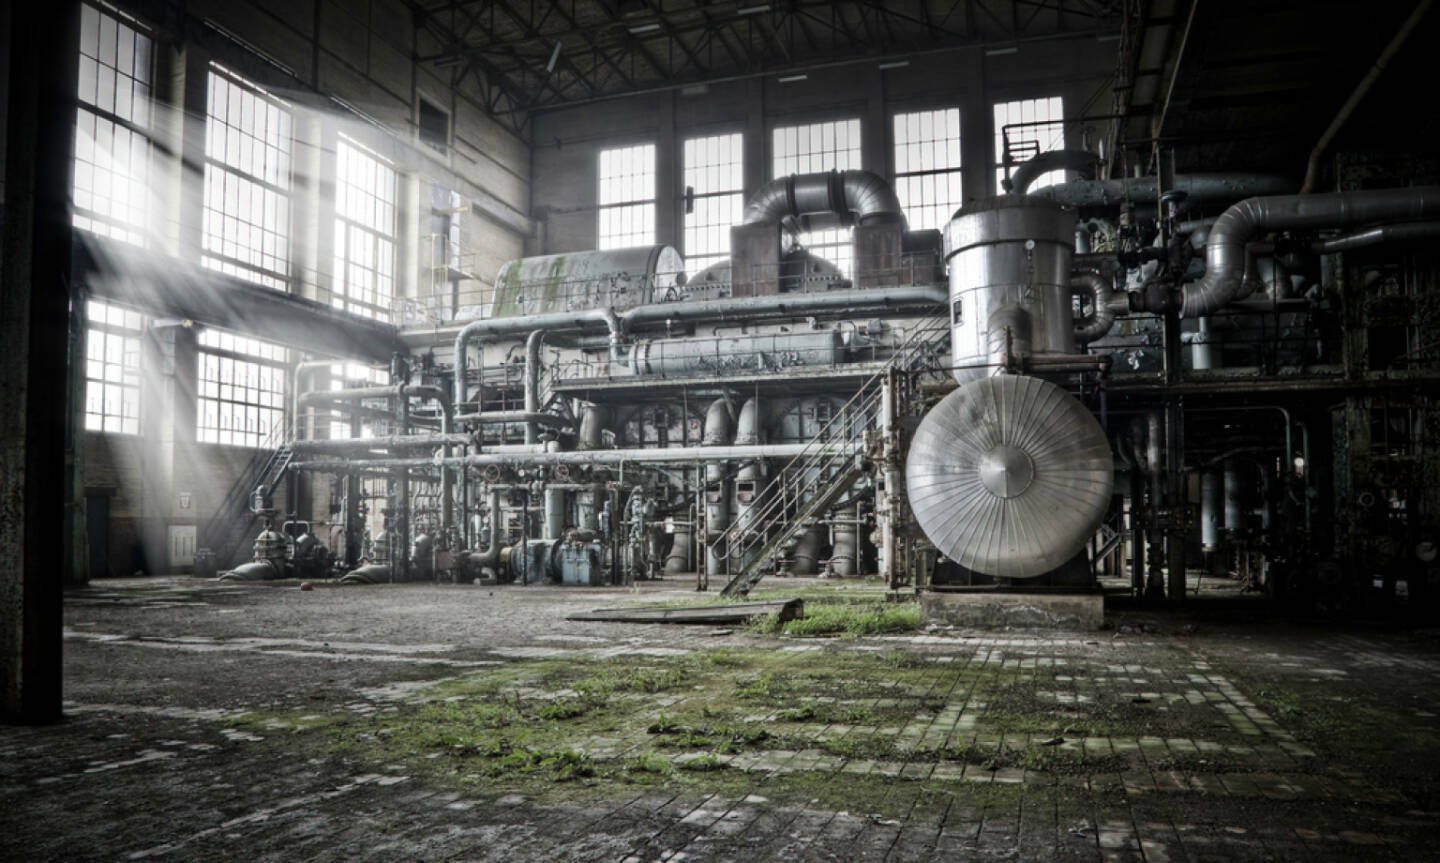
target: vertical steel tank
1009 261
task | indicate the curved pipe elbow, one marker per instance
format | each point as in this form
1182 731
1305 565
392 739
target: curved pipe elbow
1056 160
831 196
1095 325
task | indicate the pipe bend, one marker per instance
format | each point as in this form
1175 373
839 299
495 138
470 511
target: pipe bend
825 197
1224 277
1095 325
1042 163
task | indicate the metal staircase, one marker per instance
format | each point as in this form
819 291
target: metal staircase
811 483
233 523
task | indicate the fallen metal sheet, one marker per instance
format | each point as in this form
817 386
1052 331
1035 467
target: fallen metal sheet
788 609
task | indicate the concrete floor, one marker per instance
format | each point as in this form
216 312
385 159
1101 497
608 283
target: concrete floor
423 722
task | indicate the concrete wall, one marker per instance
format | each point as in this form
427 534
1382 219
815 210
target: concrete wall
567 142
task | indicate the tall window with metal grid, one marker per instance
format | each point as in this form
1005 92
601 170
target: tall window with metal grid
241 383
112 368
1041 132
805 149
927 166
110 186
714 178
245 230
365 190
627 197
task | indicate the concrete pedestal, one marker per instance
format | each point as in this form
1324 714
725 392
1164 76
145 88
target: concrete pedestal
1073 611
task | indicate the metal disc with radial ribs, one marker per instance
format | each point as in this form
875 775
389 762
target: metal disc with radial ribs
1009 476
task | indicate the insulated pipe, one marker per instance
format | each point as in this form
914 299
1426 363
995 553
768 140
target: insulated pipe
1198 187
1233 518
1225 249
1376 236
845 554
297 416
825 199
1095 325
553 321
717 432
805 557
1209 510
730 309
532 383
751 472
554 513
1019 182
502 417
349 445
593 420
678 559
590 458
1202 358
1312 166
1008 336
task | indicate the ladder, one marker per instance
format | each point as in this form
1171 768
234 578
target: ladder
811 483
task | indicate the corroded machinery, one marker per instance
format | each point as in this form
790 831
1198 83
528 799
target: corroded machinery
1003 404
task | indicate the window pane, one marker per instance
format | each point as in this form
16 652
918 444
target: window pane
247 182
927 166
627 197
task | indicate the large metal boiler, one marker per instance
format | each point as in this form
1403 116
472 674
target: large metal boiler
1009 475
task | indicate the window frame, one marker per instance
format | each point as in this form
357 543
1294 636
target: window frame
344 295
735 194
123 332
279 363
88 218
617 239
283 187
957 170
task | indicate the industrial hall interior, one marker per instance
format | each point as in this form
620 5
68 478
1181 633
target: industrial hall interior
719 430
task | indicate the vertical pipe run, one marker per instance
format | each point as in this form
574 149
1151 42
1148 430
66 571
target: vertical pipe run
1209 510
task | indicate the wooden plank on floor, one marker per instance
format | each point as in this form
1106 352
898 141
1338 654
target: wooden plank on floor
788 609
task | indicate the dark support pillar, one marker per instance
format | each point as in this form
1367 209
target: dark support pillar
35 309
1179 506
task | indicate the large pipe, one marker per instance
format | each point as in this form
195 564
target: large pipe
554 321
1019 182
731 309
748 485
593 421
1233 519
349 445
1095 325
1209 510
1312 166
532 383
845 554
717 432
1375 236
1225 248
584 458
1198 187
825 199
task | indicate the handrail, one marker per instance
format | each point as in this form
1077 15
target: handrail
853 418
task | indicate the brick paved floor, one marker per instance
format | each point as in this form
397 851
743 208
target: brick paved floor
423 722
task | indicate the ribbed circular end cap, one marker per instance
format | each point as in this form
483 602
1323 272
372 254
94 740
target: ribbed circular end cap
1009 476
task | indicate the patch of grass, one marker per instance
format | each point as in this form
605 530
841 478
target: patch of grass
566 708
702 764
854 619
649 762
